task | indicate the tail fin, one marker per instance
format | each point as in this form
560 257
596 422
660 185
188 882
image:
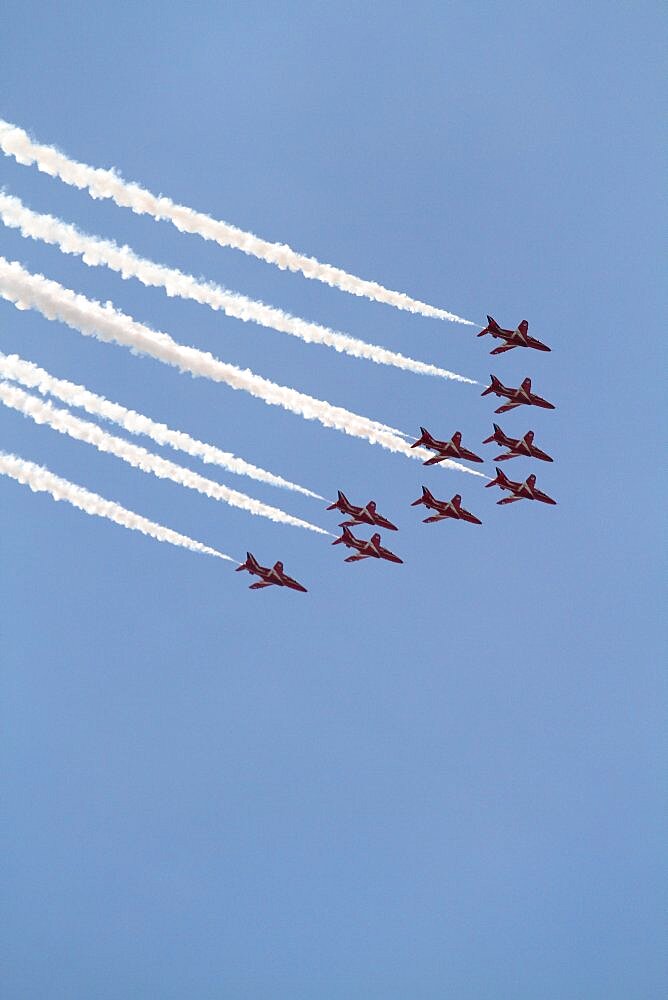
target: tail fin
375 539
345 536
426 495
278 566
524 327
493 387
498 480
526 385
337 503
250 559
492 325
424 438
498 433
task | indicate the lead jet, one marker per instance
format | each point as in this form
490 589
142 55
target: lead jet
360 515
521 491
518 447
516 397
445 449
365 550
269 577
513 338
444 508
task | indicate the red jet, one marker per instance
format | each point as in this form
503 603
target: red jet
269 577
444 508
360 515
365 550
446 449
521 491
513 338
516 397
518 447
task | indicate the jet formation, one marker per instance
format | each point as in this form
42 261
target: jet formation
367 515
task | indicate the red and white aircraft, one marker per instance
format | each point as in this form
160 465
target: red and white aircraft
446 449
521 491
513 338
360 515
516 397
444 508
518 447
269 577
365 550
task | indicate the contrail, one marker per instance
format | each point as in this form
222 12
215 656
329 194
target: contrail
108 184
34 291
41 480
95 251
66 423
32 377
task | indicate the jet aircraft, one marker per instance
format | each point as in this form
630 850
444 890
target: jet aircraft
516 397
365 550
445 449
518 447
521 491
268 577
444 508
360 515
513 338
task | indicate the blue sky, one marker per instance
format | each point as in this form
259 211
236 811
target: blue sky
439 779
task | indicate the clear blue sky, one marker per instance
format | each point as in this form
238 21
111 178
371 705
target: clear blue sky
432 780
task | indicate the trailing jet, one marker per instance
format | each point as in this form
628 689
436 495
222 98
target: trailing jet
516 397
365 550
360 515
518 447
513 338
444 508
269 577
521 491
445 449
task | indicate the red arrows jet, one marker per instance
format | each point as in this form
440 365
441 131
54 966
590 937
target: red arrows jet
269 577
518 447
365 550
513 338
516 397
360 515
446 449
521 491
444 508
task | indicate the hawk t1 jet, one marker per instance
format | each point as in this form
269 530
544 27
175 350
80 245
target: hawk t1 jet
268 577
365 550
360 515
444 508
445 449
518 447
516 397
513 338
521 491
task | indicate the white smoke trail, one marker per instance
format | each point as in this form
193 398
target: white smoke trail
66 423
108 184
124 261
15 368
41 480
34 291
